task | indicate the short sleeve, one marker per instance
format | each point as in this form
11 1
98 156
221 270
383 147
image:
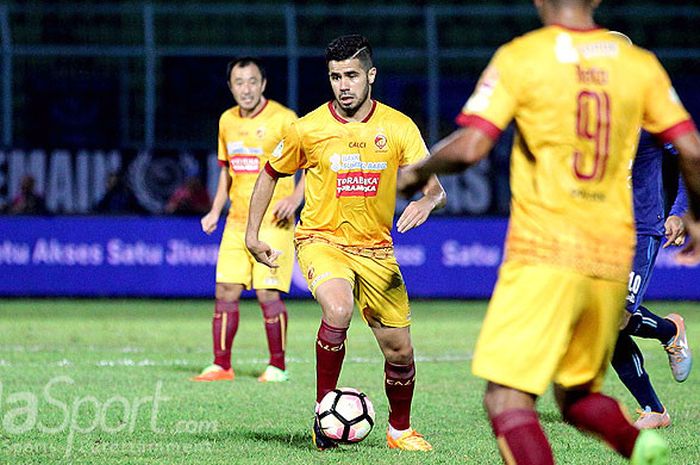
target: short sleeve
414 148
664 114
289 154
492 105
222 153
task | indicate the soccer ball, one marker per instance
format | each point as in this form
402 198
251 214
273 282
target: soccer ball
346 415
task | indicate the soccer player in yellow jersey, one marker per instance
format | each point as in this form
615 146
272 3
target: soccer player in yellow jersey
351 149
578 96
248 132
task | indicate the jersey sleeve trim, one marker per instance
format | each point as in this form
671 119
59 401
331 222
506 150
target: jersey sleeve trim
677 130
222 163
274 174
485 125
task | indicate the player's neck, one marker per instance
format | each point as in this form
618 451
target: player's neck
570 18
253 111
359 115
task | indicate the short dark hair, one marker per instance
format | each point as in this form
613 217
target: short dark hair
350 46
242 62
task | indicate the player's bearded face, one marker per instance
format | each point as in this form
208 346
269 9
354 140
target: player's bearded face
247 86
351 83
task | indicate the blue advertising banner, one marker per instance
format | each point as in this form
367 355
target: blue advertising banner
171 257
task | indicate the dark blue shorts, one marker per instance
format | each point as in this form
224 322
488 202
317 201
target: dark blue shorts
644 259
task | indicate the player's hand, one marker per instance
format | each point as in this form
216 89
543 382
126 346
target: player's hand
209 222
414 214
263 253
675 231
283 211
690 254
409 181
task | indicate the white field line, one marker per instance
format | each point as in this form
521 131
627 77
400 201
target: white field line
146 362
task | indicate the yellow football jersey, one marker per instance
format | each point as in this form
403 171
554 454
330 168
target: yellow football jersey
351 168
578 99
245 145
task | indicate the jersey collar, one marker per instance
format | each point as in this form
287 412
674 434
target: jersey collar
595 27
344 121
264 105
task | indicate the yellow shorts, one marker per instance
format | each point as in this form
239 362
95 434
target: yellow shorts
546 324
236 265
378 286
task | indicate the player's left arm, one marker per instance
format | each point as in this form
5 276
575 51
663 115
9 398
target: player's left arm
418 211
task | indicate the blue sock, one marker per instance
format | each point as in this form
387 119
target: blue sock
628 363
651 326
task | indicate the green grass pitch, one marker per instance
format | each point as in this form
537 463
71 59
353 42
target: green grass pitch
106 382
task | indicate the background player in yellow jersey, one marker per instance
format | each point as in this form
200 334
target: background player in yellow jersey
351 149
248 132
578 97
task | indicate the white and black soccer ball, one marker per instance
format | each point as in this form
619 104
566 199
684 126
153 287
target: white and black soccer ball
346 415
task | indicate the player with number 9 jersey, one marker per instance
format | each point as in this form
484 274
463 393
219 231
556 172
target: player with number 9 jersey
577 130
578 96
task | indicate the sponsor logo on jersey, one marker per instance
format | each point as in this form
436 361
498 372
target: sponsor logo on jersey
353 162
260 132
245 164
239 148
357 184
564 49
357 145
380 141
356 178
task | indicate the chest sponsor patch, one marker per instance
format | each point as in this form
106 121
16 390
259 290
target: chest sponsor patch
245 164
357 184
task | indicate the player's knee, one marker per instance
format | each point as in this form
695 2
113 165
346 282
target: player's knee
337 314
499 398
228 292
399 355
574 404
266 296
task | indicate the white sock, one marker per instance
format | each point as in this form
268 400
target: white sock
397 433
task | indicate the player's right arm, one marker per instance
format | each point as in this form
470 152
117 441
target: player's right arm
665 116
285 160
487 112
211 219
259 201
688 146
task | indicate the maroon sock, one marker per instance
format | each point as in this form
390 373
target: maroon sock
602 415
399 381
275 316
521 439
224 327
330 352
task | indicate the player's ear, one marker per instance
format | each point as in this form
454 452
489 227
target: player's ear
371 75
262 87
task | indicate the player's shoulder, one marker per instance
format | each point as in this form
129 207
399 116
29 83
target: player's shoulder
320 116
230 114
278 109
391 114
527 41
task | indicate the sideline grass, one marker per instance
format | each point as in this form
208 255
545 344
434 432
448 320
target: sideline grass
106 382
